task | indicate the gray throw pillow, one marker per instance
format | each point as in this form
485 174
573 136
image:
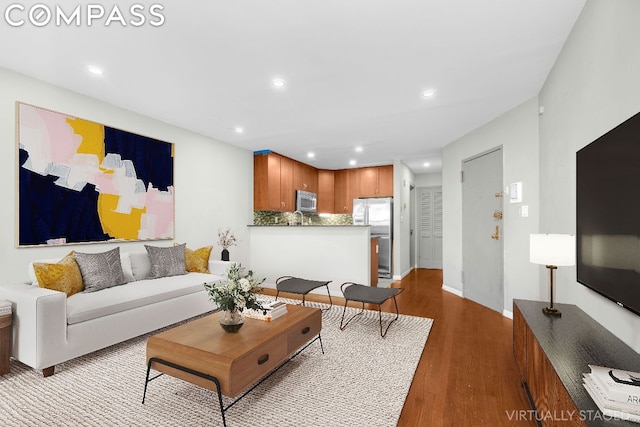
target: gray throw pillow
100 271
166 261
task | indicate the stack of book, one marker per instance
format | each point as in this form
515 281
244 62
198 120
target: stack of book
272 310
615 391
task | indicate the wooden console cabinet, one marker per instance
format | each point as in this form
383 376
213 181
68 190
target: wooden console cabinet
552 353
6 325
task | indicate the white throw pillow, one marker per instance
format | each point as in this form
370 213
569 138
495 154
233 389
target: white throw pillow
140 265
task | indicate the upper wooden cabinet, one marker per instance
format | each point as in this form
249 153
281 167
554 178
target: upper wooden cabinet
385 181
375 181
273 182
305 177
326 185
276 177
345 190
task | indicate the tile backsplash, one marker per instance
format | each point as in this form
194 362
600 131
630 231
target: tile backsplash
282 218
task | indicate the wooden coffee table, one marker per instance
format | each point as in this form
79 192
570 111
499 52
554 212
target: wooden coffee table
233 364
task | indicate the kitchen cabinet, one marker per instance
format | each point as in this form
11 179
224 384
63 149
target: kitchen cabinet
375 181
326 183
276 178
385 181
345 190
273 182
305 177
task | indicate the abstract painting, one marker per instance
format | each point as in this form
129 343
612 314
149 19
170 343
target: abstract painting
81 181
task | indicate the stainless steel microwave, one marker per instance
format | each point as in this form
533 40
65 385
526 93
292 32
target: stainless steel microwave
306 201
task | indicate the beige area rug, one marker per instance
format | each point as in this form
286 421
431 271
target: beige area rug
361 380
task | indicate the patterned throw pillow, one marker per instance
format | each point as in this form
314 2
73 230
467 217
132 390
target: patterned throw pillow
63 276
166 262
100 271
197 261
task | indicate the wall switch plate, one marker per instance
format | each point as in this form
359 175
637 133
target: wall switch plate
524 211
515 192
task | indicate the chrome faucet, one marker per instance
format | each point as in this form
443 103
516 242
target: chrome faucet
301 217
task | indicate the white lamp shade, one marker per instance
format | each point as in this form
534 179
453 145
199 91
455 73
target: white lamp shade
552 249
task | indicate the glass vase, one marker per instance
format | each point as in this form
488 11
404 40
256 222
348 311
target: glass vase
231 320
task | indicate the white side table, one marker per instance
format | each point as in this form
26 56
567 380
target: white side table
219 268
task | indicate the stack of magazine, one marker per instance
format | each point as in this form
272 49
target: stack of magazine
272 310
615 391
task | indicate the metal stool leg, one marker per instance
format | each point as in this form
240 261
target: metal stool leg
389 324
342 326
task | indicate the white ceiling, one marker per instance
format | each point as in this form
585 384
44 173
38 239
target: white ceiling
355 70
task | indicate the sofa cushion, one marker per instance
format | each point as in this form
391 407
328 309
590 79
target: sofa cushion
197 261
32 271
100 270
167 261
84 306
63 276
127 269
140 265
126 259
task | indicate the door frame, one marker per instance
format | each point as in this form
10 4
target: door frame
502 238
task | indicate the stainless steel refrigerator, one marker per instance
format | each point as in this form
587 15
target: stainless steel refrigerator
378 214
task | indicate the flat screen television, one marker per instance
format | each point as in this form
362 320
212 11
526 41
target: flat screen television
608 215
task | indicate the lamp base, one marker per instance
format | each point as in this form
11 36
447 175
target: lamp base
550 311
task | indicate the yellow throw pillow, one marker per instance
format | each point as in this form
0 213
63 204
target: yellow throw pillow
197 261
64 276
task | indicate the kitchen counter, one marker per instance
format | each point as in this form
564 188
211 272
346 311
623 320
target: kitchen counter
308 226
340 253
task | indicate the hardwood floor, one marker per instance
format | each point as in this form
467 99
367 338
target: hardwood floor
466 375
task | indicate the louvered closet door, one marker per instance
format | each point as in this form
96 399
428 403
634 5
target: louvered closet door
430 227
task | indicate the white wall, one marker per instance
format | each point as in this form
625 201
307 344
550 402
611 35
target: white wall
213 180
427 179
517 132
593 87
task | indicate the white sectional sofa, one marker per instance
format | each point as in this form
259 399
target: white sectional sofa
50 328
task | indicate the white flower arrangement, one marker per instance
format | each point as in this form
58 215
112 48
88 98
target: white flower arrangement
237 291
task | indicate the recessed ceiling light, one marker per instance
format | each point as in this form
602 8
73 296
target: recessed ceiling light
429 93
311 155
278 82
352 162
426 164
238 129
359 149
95 70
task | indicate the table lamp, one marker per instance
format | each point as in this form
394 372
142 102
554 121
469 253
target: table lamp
552 250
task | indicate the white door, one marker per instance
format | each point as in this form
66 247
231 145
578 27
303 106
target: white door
482 234
430 227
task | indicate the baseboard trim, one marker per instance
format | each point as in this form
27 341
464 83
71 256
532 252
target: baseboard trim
452 290
508 314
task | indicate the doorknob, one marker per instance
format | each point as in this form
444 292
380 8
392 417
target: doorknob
496 235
